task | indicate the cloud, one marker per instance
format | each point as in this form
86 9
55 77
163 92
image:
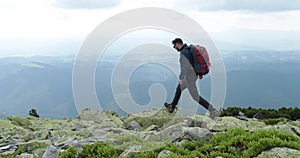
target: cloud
86 4
245 5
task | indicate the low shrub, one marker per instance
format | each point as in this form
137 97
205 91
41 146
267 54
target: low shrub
289 113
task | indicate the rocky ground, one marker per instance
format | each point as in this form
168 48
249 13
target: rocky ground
147 130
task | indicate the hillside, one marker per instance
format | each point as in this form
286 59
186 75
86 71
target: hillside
253 79
151 133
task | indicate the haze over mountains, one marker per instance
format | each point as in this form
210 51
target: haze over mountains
266 79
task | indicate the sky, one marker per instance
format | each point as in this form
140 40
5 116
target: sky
58 27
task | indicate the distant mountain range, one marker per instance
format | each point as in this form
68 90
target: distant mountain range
266 79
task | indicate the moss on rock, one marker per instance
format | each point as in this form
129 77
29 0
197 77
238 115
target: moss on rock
19 121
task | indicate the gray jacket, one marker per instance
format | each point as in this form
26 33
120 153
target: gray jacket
186 62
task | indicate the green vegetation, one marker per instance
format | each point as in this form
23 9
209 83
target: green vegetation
13 155
234 143
19 121
33 113
99 149
274 121
289 113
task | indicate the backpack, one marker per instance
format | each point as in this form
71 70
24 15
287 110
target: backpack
201 59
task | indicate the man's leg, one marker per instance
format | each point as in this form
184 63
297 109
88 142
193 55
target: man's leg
179 89
191 82
178 92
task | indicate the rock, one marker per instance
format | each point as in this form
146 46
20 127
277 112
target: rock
4 147
152 128
159 117
133 125
51 152
172 133
225 123
64 143
279 152
104 118
19 121
199 121
180 143
130 149
28 136
197 134
296 131
34 146
295 123
164 153
286 128
119 131
144 135
98 133
6 125
7 149
41 135
67 133
177 133
242 116
25 155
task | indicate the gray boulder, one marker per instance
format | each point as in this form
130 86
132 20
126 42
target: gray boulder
280 153
25 155
51 152
164 153
286 128
104 118
197 134
225 123
130 149
8 149
133 125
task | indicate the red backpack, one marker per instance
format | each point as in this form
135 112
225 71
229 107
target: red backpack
201 60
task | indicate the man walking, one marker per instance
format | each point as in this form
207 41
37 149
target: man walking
187 79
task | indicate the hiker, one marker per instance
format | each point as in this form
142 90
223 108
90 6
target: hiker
187 79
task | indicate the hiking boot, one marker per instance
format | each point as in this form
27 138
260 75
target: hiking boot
213 113
169 107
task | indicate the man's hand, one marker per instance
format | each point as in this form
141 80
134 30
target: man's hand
180 82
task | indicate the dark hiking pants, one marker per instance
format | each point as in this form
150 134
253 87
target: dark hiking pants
189 82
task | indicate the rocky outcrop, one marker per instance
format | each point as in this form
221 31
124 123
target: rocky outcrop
148 129
280 153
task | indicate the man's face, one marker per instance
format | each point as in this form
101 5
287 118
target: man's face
177 46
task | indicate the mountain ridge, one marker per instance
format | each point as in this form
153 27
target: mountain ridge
126 135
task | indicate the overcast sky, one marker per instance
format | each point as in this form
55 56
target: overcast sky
58 27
